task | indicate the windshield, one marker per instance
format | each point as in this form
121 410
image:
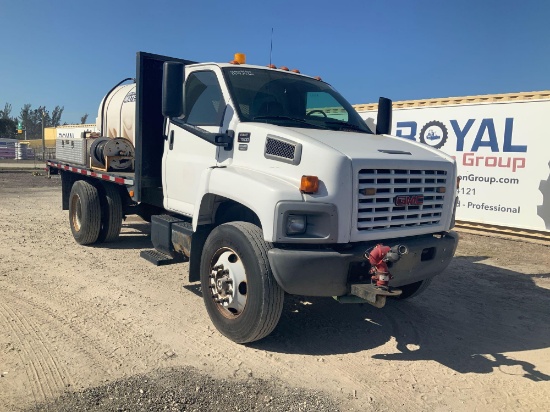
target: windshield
285 99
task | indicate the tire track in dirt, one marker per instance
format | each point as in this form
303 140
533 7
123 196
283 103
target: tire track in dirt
31 377
59 374
91 344
96 330
70 339
36 372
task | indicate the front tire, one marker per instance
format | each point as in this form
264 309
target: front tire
84 212
240 293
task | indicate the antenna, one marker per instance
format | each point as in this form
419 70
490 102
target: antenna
271 49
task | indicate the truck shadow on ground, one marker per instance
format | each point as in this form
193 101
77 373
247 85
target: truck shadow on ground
135 234
466 320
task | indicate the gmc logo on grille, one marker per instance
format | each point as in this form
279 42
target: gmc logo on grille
408 200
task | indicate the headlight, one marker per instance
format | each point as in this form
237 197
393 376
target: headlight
305 222
296 225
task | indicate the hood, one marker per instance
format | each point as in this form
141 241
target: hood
375 147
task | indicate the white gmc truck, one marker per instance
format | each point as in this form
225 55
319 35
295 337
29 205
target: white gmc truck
267 181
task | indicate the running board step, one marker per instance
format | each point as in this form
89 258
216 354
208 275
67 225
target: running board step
372 294
160 259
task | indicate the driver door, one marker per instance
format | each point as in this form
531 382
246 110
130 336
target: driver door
187 156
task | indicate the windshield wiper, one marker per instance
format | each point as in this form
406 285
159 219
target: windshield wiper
295 119
344 125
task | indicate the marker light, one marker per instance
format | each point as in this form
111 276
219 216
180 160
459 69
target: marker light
239 58
309 184
284 68
295 71
271 66
368 191
318 78
441 189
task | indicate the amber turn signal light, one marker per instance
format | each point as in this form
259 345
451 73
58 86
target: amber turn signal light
309 184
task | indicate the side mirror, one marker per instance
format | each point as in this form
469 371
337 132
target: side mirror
172 89
383 119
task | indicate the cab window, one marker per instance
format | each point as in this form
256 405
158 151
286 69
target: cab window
324 105
204 104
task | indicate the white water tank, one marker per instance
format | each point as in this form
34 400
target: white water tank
119 113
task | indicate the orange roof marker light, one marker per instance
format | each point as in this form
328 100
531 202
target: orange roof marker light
295 71
239 58
284 68
271 66
318 78
309 184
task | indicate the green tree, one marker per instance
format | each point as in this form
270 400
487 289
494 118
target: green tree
5 114
55 119
8 125
7 128
83 119
29 121
32 119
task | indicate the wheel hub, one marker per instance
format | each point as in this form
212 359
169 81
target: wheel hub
228 282
222 283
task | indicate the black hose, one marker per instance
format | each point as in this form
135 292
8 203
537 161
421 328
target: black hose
96 149
105 100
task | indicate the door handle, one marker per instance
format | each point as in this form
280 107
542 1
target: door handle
171 144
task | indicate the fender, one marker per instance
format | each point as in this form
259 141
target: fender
255 190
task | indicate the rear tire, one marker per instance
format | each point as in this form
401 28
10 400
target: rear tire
414 289
240 293
111 213
84 212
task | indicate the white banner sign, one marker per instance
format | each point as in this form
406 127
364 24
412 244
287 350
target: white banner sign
502 152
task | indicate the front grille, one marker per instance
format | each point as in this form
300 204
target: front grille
379 211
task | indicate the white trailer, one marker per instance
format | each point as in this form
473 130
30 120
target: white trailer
246 172
500 143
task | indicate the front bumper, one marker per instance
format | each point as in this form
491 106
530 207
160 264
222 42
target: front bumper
329 272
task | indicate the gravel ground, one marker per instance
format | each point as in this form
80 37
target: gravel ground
26 180
186 389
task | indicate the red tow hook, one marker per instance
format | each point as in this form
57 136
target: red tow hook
379 256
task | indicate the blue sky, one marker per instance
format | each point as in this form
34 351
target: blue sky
70 53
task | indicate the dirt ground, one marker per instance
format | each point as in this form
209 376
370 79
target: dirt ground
76 319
